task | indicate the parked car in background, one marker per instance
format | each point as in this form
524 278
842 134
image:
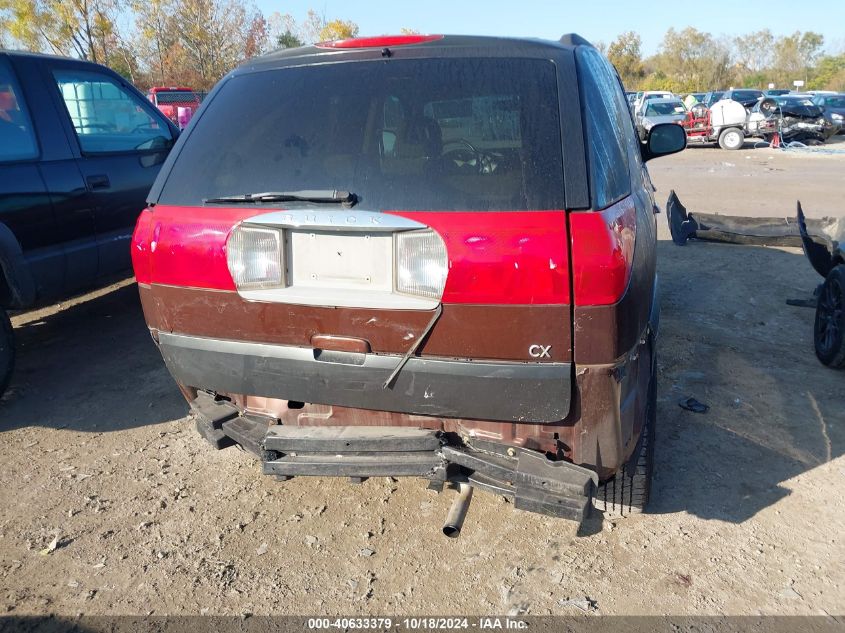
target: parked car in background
392 270
169 100
833 107
656 111
776 92
712 97
79 149
650 94
748 97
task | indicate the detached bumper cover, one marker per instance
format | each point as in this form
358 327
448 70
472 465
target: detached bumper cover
500 391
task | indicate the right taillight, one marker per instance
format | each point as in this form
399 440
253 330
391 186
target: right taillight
421 264
602 253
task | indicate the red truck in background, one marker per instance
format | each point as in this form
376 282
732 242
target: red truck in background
169 100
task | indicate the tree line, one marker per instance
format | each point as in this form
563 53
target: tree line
690 60
161 42
195 42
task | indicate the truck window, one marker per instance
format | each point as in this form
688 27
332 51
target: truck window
106 117
17 138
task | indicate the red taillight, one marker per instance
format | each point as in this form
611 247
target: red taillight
140 249
186 246
502 257
381 41
602 253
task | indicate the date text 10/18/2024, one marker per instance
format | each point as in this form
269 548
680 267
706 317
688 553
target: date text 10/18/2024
421 623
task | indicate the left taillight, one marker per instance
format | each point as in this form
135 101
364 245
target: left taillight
141 239
255 257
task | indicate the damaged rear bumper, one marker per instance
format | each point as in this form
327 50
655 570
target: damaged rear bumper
527 477
484 390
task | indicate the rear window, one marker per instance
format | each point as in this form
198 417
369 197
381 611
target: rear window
666 108
746 95
165 98
438 134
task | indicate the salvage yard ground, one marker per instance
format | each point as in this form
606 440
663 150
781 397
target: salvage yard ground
112 504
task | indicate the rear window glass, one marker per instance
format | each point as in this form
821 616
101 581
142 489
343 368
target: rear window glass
438 134
746 95
164 98
666 108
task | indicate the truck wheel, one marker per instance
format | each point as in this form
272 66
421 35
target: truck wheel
731 138
829 328
7 351
627 493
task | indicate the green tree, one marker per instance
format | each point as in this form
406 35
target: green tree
288 40
692 60
795 54
625 54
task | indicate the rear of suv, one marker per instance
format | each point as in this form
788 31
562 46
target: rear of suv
417 256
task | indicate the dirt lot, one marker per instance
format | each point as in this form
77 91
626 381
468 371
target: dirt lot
748 514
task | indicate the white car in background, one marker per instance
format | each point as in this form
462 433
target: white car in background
642 97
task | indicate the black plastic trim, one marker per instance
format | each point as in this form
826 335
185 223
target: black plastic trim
502 391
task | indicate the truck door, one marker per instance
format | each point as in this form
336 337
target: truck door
122 142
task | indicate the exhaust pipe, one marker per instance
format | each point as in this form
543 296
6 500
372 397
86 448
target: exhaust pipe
458 511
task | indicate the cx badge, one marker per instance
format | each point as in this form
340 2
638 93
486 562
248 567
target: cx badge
540 351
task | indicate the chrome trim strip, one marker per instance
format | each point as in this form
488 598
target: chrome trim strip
336 220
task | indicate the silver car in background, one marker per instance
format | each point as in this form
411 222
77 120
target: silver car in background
654 111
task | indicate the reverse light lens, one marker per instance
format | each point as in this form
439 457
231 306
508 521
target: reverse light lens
254 257
421 264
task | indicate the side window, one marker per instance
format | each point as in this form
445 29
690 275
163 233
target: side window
607 123
106 117
17 138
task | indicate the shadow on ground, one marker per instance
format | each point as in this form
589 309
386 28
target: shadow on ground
90 367
729 339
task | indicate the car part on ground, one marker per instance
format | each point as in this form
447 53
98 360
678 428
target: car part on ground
822 241
479 311
715 227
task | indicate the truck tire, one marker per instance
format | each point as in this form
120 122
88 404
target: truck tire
7 351
829 326
731 138
628 492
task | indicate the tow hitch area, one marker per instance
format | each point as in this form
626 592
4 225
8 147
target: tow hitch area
529 478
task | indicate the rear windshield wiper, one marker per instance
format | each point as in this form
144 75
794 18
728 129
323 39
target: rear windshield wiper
327 196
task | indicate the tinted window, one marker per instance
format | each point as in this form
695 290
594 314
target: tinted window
440 134
106 117
17 139
834 102
746 95
605 117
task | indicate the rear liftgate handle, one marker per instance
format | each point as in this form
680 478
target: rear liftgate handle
413 348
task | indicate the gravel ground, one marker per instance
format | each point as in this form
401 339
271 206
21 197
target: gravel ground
112 504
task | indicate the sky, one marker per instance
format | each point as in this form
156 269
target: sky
596 21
